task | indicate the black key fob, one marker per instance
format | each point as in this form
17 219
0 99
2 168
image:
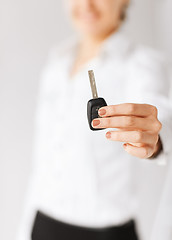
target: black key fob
93 106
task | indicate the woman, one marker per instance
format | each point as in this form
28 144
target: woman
81 186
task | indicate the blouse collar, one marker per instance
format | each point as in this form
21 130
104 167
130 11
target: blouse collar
117 44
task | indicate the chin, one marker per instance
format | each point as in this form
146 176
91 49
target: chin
93 29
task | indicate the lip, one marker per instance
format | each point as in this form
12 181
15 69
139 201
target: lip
88 17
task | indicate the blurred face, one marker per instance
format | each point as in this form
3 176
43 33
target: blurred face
96 17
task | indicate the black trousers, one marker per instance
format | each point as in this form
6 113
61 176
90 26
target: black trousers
47 228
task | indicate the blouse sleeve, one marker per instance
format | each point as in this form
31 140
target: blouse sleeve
30 206
162 228
151 74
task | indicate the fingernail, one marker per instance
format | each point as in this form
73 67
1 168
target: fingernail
96 122
102 112
108 135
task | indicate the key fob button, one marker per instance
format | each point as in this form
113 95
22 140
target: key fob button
95 112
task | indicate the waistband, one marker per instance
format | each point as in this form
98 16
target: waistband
48 228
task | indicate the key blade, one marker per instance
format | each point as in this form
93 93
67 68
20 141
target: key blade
93 83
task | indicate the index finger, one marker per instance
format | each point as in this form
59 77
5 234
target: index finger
125 109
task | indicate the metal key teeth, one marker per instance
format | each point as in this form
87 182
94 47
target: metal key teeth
93 83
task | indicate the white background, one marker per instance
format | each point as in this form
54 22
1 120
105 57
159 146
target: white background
28 29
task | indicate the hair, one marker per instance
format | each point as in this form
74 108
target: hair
123 15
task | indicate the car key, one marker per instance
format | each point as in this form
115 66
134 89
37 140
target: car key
94 104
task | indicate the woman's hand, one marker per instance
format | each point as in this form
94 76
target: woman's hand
137 126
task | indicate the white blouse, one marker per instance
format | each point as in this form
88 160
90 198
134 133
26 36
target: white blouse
78 175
